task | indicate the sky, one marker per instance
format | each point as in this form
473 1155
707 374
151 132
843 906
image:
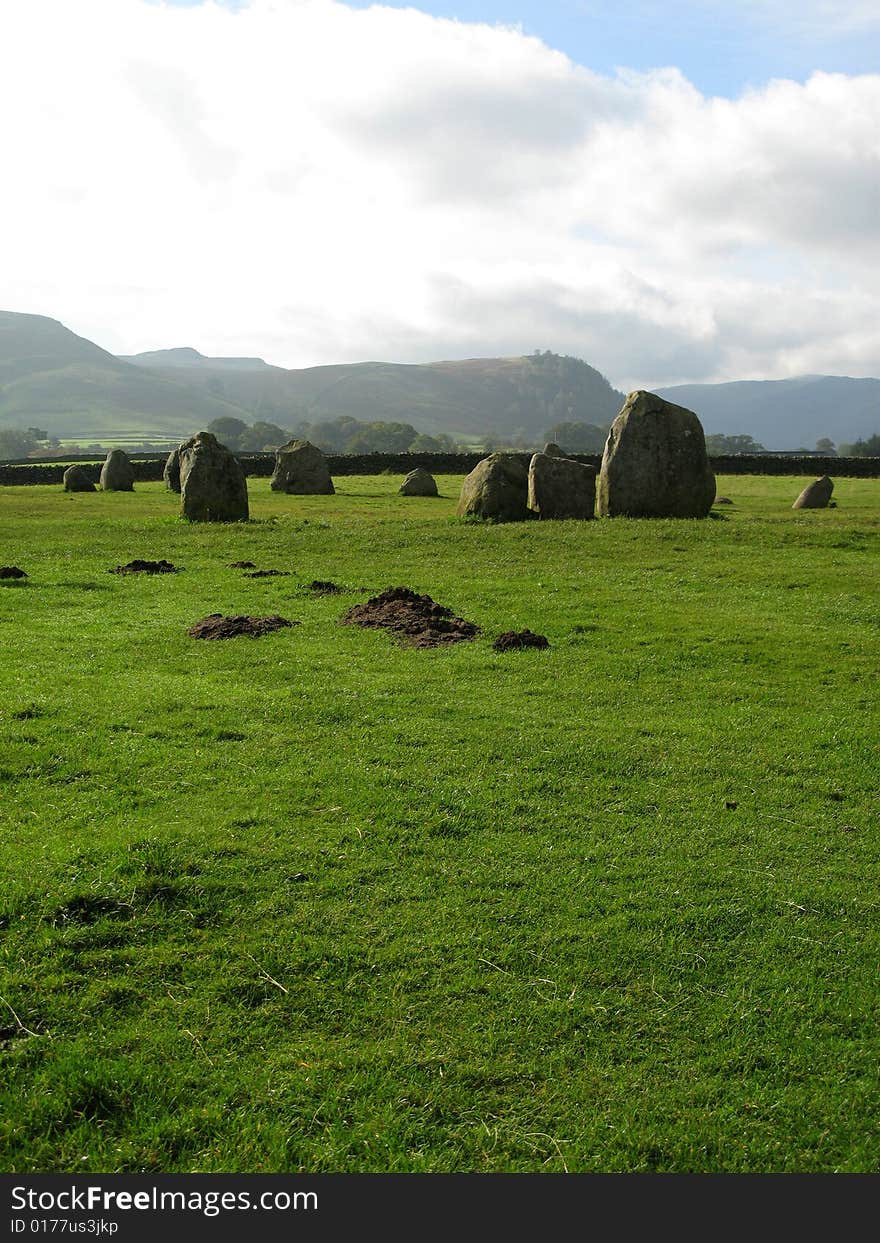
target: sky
677 192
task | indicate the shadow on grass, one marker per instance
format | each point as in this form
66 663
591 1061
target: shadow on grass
78 586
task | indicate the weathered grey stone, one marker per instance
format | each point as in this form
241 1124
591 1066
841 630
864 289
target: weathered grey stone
301 469
212 484
559 487
655 463
419 482
496 488
171 473
75 479
117 473
552 449
815 495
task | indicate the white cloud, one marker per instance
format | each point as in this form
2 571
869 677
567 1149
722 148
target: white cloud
317 184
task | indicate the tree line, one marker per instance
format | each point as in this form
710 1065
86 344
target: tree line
342 435
347 435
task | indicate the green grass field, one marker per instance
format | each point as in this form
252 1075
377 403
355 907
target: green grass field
315 902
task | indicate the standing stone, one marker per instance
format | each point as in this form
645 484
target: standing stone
301 469
655 463
171 473
212 483
75 479
815 495
559 487
552 449
497 488
419 482
117 473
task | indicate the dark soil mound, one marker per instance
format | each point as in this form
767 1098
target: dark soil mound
242 565
321 588
267 574
513 639
416 620
145 567
11 571
216 626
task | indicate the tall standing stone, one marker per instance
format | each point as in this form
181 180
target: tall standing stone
171 473
496 488
117 473
559 487
212 483
75 479
815 495
655 463
301 469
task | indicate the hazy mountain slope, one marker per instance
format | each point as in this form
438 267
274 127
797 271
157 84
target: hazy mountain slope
185 357
785 414
500 395
51 378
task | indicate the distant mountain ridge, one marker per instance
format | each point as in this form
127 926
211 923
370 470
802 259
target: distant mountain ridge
785 414
186 356
503 397
50 377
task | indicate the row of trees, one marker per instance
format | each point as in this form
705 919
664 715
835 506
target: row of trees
342 435
576 437
348 435
862 448
21 442
744 444
590 438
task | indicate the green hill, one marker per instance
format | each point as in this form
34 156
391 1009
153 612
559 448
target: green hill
50 377
498 396
185 358
53 379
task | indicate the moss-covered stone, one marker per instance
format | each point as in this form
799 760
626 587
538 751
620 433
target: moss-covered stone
655 463
496 488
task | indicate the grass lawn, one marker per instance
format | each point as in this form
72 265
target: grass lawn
316 902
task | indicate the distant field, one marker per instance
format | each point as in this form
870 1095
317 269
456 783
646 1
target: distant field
121 440
315 902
